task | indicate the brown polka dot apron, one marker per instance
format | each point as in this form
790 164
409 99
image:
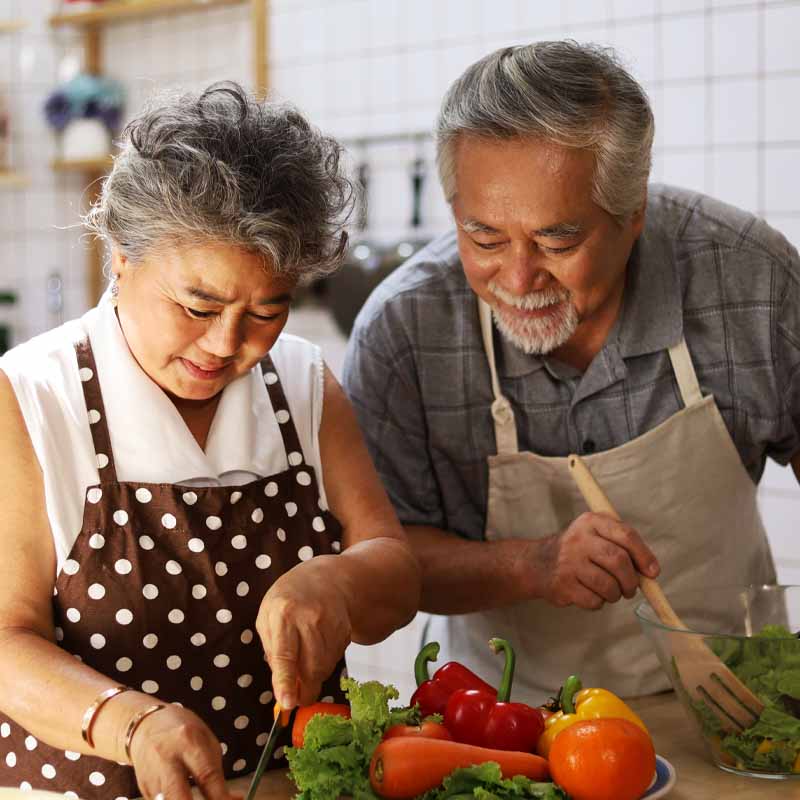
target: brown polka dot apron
161 591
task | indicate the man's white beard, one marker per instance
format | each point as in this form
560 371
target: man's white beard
536 335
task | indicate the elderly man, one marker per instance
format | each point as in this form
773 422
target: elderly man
575 310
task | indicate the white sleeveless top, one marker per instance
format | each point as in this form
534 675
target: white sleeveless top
150 440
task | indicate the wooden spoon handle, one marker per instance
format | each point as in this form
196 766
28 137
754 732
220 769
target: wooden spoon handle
598 502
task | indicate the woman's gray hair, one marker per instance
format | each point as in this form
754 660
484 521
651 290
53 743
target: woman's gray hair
222 166
574 95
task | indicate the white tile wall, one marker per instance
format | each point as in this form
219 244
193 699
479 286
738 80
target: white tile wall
723 75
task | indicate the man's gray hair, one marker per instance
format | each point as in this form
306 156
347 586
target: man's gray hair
222 166
574 95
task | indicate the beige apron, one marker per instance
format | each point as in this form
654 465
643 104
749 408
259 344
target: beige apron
681 485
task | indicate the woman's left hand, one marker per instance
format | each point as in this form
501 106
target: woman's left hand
304 625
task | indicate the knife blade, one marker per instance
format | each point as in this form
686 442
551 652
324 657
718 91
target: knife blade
282 720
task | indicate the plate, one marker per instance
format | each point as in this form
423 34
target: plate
663 781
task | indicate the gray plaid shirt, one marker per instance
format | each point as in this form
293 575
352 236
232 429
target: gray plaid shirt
417 374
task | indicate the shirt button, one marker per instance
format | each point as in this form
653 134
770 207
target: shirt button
589 446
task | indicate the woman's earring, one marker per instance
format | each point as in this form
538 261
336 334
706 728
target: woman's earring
114 289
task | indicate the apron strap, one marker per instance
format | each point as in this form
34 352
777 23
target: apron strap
291 441
505 429
98 424
685 374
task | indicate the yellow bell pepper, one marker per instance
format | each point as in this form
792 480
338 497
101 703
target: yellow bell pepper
578 704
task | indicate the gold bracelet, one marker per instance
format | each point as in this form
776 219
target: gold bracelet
134 724
91 712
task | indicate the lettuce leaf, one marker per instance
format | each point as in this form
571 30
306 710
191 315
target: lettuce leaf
485 782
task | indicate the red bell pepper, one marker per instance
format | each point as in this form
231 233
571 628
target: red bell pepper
433 693
489 720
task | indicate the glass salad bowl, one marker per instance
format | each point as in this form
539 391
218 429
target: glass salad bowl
754 631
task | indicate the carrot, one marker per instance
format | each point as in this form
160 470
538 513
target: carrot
304 714
404 767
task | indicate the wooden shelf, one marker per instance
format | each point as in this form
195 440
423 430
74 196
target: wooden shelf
12 180
121 10
11 25
83 165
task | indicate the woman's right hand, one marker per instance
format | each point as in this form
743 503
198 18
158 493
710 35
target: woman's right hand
169 746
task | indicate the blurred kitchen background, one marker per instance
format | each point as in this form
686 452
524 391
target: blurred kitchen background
723 77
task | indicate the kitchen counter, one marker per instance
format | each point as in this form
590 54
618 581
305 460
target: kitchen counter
697 778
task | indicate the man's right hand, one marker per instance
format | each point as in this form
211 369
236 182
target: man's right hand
596 560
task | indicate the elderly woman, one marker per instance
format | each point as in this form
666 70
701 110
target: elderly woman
178 478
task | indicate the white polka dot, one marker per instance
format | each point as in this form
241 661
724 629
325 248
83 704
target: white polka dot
72 755
48 771
257 516
263 561
247 636
97 591
223 615
291 509
94 416
295 458
123 566
31 743
85 374
336 546
151 687
197 545
235 497
327 699
265 697
73 615
198 639
173 662
242 589
150 591
278 754
25 786
218 703
239 765
222 660
144 495
239 542
124 616
199 591
213 523
124 664
121 517
169 521
102 460
281 534
176 616
96 541
196 683
240 723
223 747
97 778
98 641
318 524
146 543
303 478
244 681
271 489
305 553
150 641
173 567
94 495
271 378
59 634
261 739
5 730
282 416
221 568
11 759
190 498
71 566
69 793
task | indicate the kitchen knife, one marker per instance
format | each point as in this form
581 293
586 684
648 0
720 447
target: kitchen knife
282 720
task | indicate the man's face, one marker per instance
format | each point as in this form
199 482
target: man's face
535 246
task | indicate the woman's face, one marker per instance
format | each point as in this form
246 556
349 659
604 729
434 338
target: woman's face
196 318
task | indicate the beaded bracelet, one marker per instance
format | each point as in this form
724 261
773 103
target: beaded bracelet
134 724
91 712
